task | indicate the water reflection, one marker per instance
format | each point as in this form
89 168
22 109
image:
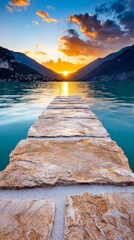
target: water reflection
65 88
21 104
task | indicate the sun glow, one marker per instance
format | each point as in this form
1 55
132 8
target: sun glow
65 73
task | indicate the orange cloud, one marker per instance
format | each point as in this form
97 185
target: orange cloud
19 3
62 66
27 52
45 17
40 53
94 29
35 52
100 37
74 46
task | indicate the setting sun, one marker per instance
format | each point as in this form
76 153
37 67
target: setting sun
65 73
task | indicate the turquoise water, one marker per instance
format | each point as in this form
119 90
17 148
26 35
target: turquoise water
21 104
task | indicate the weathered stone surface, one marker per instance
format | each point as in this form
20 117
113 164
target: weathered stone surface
68 98
68 106
49 162
26 219
67 128
68 101
109 216
67 113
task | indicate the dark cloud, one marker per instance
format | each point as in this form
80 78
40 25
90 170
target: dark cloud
74 46
127 20
109 30
94 29
102 9
124 12
72 32
87 23
117 7
101 35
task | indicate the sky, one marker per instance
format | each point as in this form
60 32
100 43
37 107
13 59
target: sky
66 35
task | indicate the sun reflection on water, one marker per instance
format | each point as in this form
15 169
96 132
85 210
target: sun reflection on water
65 88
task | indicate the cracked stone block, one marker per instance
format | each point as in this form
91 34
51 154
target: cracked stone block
67 113
26 219
38 163
67 128
99 217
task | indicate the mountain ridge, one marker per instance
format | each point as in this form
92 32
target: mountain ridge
120 67
19 67
91 66
23 58
11 69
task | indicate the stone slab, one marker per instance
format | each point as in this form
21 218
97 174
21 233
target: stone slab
68 97
109 216
26 219
68 101
67 113
68 106
36 163
67 128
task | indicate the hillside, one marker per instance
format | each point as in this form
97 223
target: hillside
120 67
21 57
93 65
10 69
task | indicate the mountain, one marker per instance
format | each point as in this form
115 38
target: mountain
121 67
21 57
91 66
10 69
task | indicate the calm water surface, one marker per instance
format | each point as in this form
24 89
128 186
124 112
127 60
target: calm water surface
21 104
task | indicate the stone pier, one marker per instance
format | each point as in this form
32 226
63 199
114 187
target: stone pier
67 180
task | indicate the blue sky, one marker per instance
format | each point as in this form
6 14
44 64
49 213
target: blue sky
24 29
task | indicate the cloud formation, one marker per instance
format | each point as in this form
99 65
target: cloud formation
27 52
9 9
73 46
61 66
127 20
19 3
72 32
116 7
35 52
35 23
50 7
124 11
93 28
45 17
101 36
40 53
